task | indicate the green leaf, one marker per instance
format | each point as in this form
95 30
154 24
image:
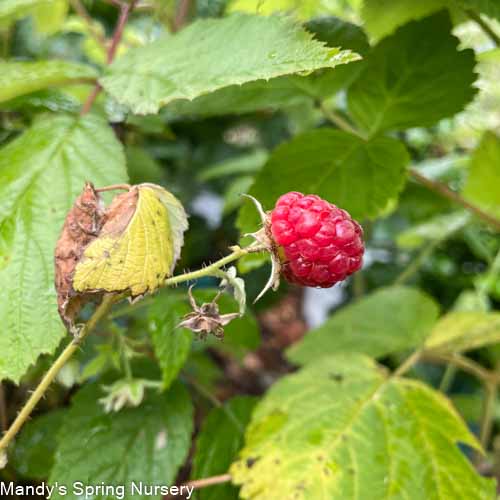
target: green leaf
171 344
217 444
33 454
396 14
19 78
438 228
49 15
489 7
41 173
413 78
462 331
301 9
147 444
483 181
291 90
340 428
386 321
361 177
199 60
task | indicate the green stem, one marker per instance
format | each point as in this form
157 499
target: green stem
340 121
50 376
488 412
448 377
494 37
464 364
415 264
407 364
444 191
212 269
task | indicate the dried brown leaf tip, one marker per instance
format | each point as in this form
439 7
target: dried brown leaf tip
206 318
82 225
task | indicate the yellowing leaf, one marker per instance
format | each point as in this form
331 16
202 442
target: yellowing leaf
462 331
137 246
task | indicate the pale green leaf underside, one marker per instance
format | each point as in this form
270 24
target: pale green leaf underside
483 181
387 321
147 444
340 429
462 331
361 177
41 173
19 78
399 12
214 53
395 14
413 78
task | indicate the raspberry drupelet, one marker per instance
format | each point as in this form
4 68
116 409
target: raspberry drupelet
321 243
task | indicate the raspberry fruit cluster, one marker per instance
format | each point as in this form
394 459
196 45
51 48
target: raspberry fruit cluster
321 244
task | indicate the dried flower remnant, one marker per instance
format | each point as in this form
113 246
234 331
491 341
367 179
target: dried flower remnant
206 318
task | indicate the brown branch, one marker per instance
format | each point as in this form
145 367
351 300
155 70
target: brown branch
208 481
4 422
203 483
82 12
125 10
181 14
446 192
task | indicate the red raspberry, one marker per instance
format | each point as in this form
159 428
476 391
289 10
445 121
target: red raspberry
322 244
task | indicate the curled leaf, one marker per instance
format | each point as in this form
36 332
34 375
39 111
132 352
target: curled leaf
131 247
231 280
82 224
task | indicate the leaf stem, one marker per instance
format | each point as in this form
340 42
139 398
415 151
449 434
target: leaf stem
125 10
488 411
339 121
50 376
415 264
212 269
494 37
407 364
448 377
464 364
446 192
209 481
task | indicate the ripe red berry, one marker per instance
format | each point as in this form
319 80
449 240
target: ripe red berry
321 243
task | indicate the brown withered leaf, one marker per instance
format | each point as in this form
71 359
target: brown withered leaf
82 225
206 318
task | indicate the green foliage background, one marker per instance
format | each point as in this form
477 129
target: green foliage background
379 106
